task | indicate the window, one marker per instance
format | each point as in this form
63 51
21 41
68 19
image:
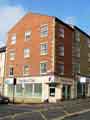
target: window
18 90
10 90
26 70
52 91
37 89
61 32
43 67
26 52
61 69
44 30
11 71
27 35
89 43
13 39
89 55
88 59
61 50
28 89
43 49
77 36
12 55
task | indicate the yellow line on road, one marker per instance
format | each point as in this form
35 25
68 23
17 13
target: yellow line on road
71 114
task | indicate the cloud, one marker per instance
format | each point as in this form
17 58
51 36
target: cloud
9 15
71 20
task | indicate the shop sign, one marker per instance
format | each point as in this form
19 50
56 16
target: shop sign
9 81
25 81
82 79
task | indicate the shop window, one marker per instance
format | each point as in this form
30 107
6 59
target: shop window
38 89
18 90
10 90
28 89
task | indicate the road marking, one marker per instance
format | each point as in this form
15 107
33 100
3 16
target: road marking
43 116
71 114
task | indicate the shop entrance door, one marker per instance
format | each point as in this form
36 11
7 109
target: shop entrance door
66 92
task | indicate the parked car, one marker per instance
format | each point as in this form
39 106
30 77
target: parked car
4 100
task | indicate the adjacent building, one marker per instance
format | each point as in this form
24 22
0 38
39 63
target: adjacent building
2 68
45 55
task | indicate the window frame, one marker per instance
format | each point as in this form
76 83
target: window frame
25 53
44 30
42 62
43 51
13 39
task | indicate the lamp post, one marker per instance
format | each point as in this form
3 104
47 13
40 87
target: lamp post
14 83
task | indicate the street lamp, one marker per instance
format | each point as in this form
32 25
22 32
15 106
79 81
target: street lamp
14 84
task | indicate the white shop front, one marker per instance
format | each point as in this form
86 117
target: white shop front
31 89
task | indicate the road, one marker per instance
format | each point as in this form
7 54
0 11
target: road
67 110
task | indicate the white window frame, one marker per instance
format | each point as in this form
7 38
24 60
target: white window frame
42 62
24 69
26 52
28 35
12 57
44 30
43 51
13 39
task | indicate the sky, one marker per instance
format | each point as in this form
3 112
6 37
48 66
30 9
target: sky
75 12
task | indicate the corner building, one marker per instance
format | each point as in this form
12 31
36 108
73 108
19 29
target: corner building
39 56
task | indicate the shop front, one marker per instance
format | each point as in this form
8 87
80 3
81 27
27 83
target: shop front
27 90
82 87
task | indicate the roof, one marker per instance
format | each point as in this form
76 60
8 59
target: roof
3 49
83 32
67 25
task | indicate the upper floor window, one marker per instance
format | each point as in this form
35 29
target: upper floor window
11 71
26 52
12 55
61 32
77 35
44 30
26 70
61 48
28 35
43 67
43 49
61 67
13 39
89 43
89 55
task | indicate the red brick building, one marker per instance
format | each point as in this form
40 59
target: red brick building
39 55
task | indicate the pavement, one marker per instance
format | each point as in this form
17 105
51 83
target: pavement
65 110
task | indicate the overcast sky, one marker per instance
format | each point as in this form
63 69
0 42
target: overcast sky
73 11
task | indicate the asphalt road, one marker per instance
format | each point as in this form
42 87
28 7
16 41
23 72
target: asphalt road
68 110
